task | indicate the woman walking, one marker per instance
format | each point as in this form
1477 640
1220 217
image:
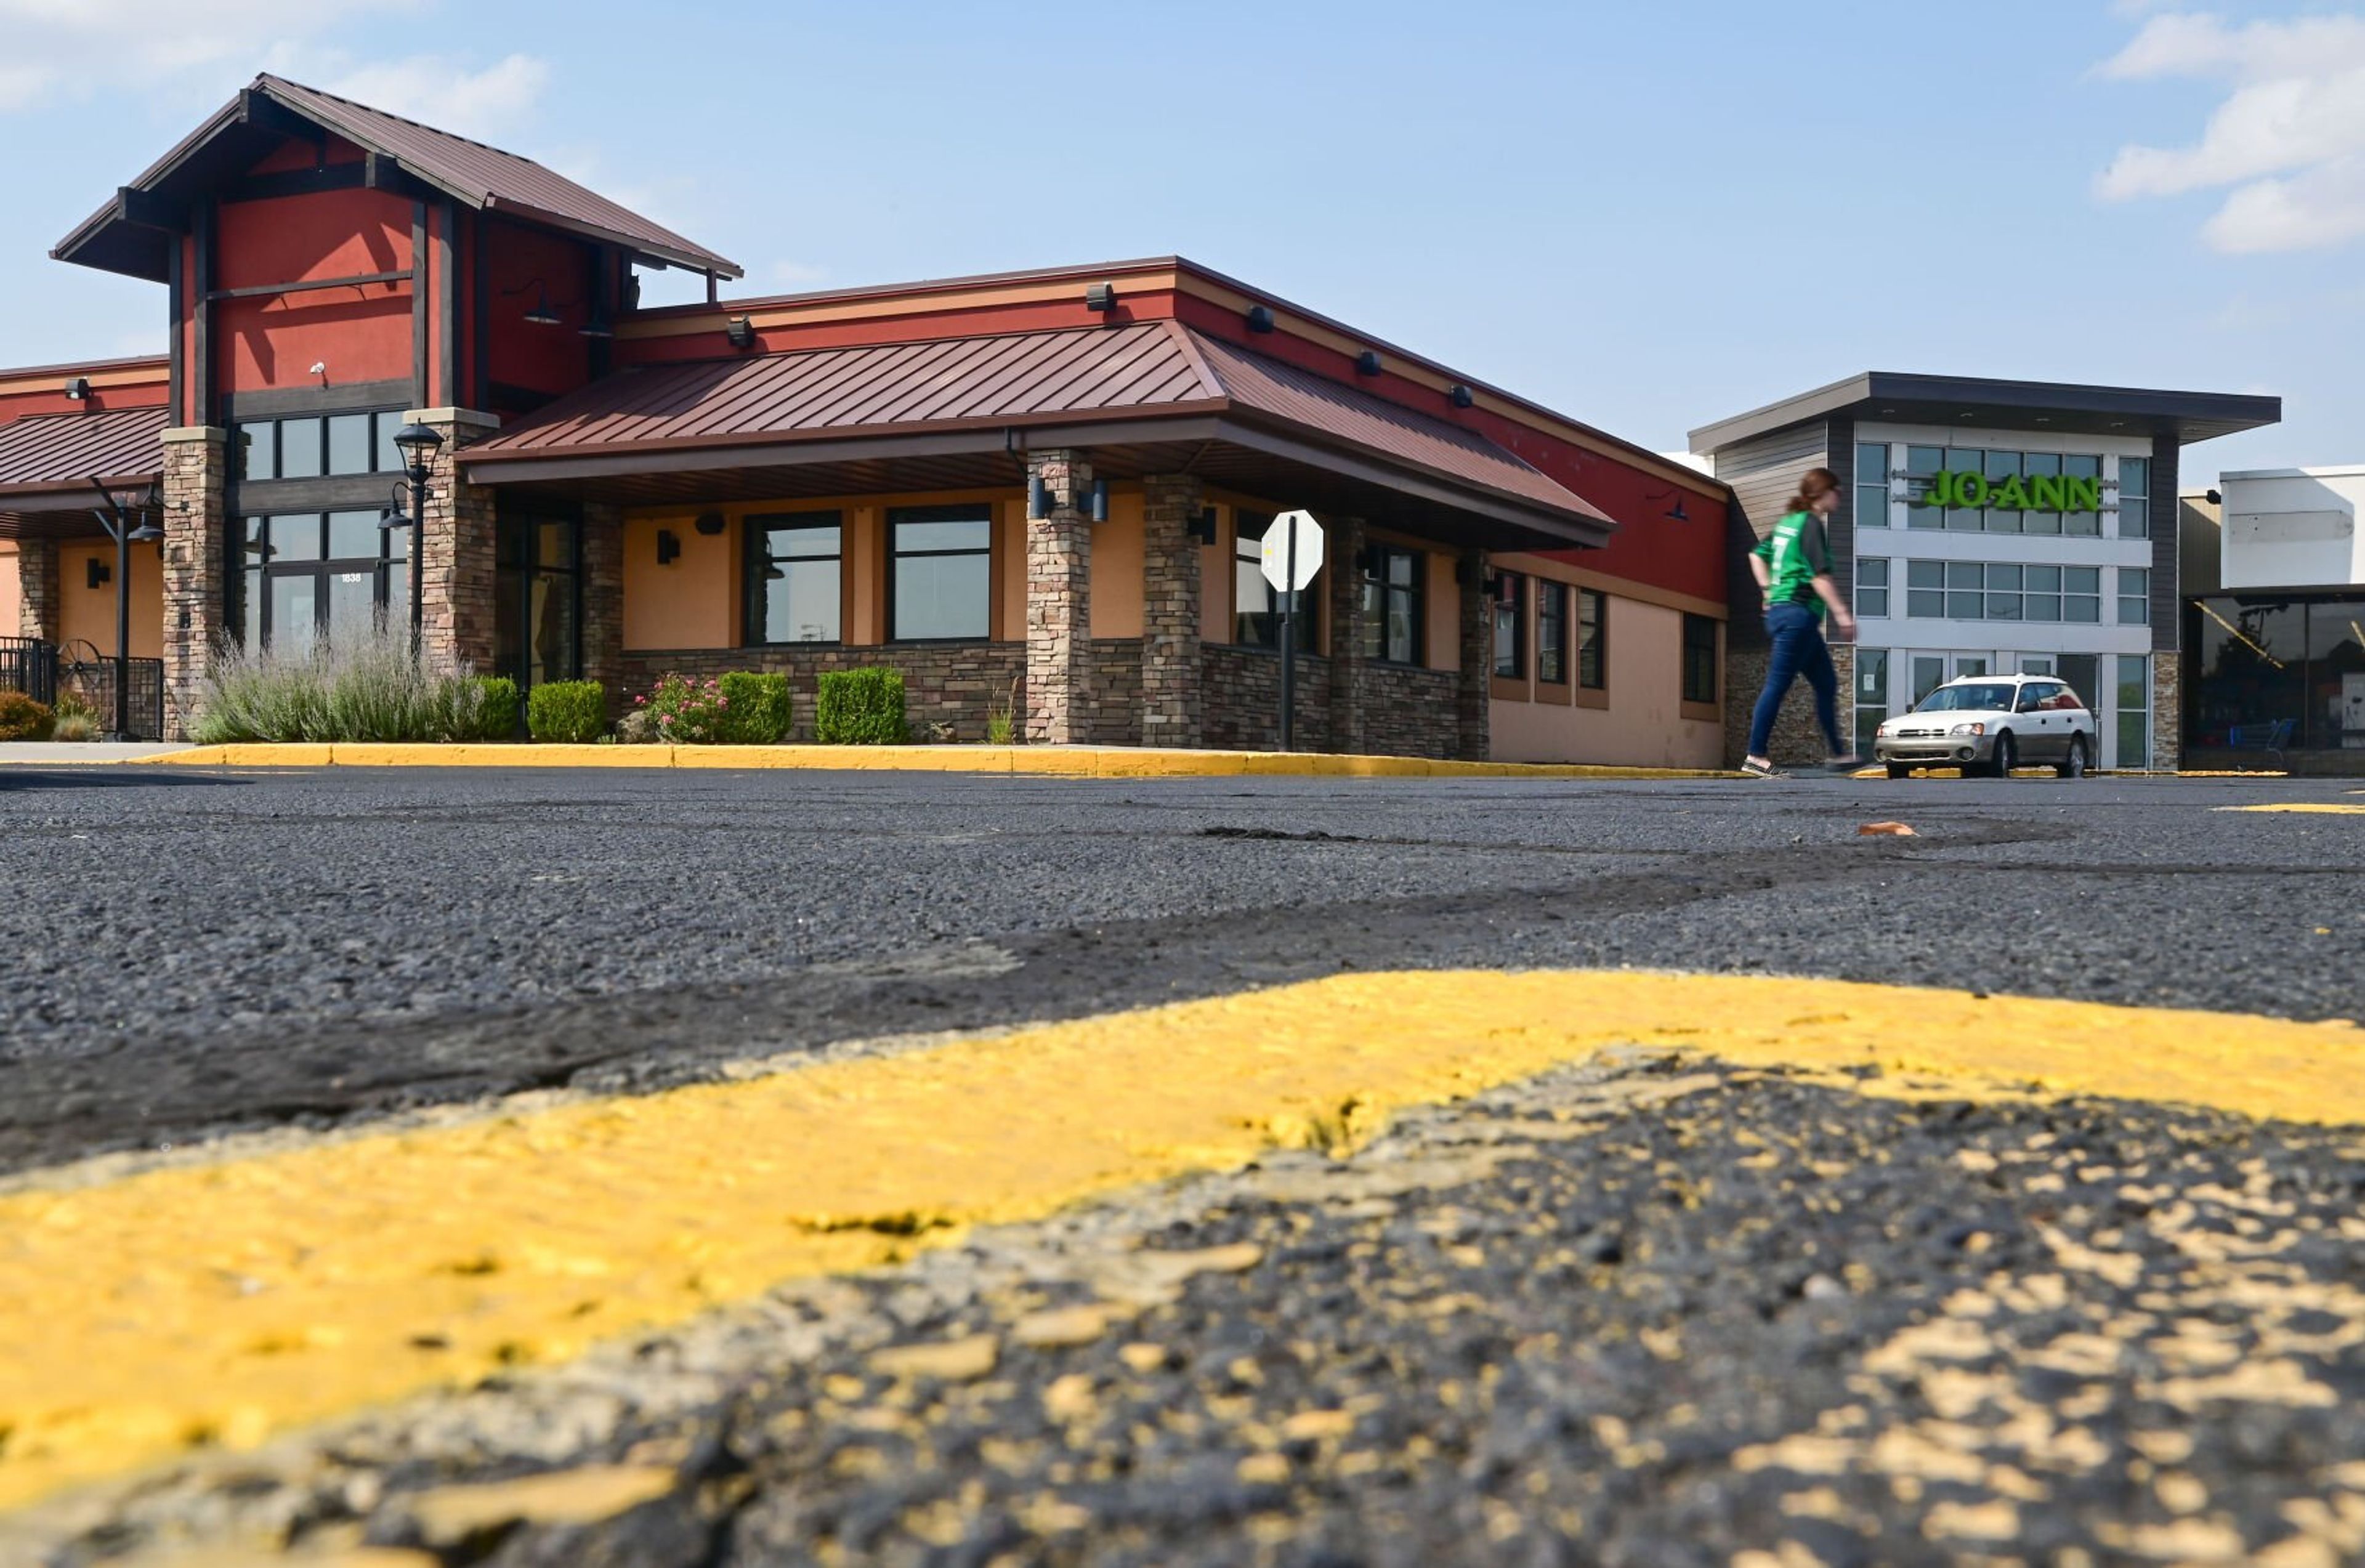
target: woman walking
1793 566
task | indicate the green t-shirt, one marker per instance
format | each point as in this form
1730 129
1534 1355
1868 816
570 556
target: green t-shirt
1797 554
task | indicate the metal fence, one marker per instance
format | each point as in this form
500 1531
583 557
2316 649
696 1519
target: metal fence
46 673
29 665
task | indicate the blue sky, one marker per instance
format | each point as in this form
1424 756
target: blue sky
1649 217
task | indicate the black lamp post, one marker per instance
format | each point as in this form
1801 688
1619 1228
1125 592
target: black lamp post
121 529
418 445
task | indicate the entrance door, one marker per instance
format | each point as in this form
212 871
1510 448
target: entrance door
538 564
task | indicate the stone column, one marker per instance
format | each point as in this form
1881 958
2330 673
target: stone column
1169 612
1059 601
39 591
455 551
2167 712
603 601
195 552
1472 691
1342 564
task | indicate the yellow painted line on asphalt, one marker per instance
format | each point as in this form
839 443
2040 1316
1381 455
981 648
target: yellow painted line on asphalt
212 1304
1074 762
2327 808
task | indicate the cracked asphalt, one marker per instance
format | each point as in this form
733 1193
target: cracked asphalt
1654 1310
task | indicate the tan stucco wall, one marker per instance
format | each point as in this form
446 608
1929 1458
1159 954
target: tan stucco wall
11 597
1117 568
686 603
1644 725
87 614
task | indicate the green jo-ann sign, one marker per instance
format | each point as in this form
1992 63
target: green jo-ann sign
2041 492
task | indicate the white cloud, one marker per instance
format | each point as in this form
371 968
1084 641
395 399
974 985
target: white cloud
439 92
71 49
2289 136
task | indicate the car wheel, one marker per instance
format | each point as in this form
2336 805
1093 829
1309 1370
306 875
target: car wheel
2005 757
2074 765
1900 770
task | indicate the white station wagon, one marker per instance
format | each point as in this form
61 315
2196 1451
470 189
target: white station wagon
1992 725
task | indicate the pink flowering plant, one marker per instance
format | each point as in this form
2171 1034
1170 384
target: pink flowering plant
684 710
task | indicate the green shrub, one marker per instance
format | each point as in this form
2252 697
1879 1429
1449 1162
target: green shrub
567 711
494 699
860 707
755 708
22 718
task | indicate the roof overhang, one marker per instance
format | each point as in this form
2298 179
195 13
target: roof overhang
66 510
1227 451
1976 402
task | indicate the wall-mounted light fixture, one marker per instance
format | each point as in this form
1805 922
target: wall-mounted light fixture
598 327
78 389
1461 397
1100 500
739 332
1368 362
1674 513
2215 500
1039 498
669 546
709 523
94 573
1260 318
1100 298
543 313
1203 527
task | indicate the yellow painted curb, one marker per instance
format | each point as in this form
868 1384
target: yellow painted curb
212 1304
1079 762
2324 808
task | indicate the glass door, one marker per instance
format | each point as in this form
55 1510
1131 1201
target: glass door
537 568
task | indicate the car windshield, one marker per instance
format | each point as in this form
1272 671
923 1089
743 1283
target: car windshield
1993 696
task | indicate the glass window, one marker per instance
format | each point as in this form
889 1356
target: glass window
349 444
355 535
1393 582
2135 711
2134 497
2042 602
294 609
1592 641
1872 588
1929 675
2083 524
794 562
2004 603
1510 598
1965 586
1871 696
1871 484
1920 463
258 446
1926 590
2082 595
1551 634
534 634
2134 595
1699 659
2043 471
295 537
299 449
1965 519
940 567
2003 469
388 455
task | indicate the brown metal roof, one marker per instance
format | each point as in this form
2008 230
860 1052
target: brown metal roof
48 461
1039 383
482 177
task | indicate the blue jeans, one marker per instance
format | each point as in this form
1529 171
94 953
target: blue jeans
1798 649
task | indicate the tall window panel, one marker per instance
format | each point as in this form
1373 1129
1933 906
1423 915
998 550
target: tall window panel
1699 659
2134 595
1871 696
940 573
1872 589
1257 605
2135 711
1551 634
2134 497
1871 484
1392 591
795 577
1593 640
1510 601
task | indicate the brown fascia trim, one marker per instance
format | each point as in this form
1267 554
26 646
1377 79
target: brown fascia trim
102 372
77 496
888 300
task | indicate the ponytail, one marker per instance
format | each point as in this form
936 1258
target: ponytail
1813 482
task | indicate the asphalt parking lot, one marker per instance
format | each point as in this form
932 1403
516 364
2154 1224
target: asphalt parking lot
1719 1313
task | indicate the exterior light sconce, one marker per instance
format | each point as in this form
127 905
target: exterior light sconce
2215 500
1100 500
1461 397
709 523
95 573
739 332
78 389
1260 318
1039 498
1203 527
1100 298
1368 362
598 327
543 313
669 546
1674 513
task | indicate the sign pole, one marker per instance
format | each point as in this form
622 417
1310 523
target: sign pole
1289 650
